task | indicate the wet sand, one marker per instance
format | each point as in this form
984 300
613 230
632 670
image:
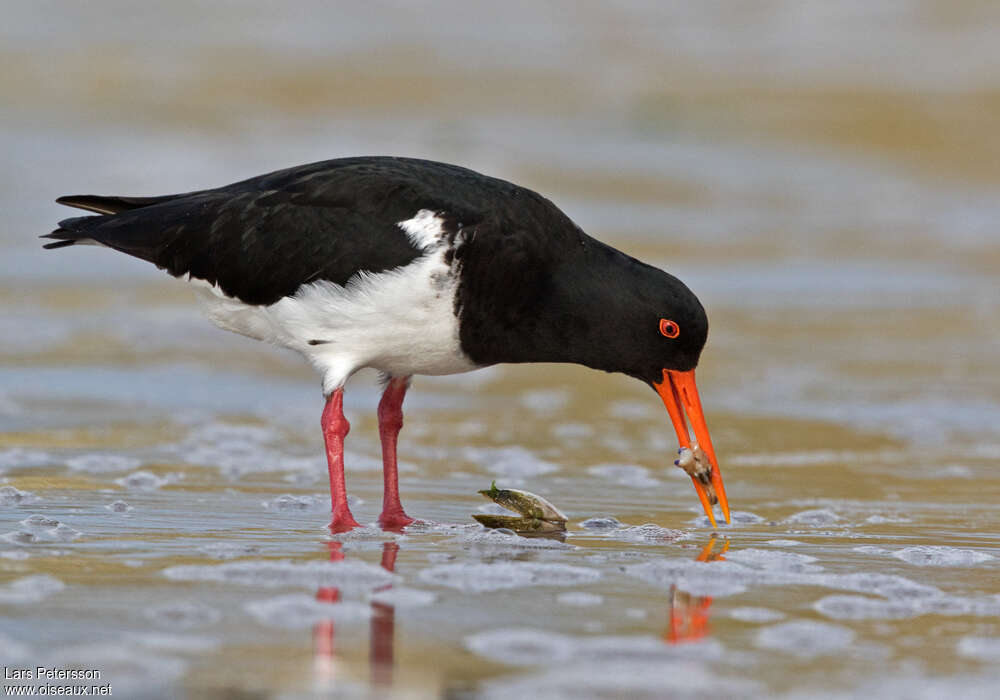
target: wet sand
824 182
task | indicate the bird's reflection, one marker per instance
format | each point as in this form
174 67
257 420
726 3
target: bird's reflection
689 614
382 626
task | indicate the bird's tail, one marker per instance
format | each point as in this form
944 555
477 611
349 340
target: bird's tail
75 230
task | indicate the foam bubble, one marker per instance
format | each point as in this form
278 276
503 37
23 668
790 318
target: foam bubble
19 458
13 651
871 549
229 550
924 555
718 578
854 607
135 671
39 522
40 528
649 533
739 517
298 610
184 643
346 575
821 517
751 614
680 678
579 599
602 523
400 597
495 576
981 648
774 560
30 589
512 463
521 646
545 401
631 475
291 503
11 496
805 638
502 539
97 463
141 481
883 519
182 615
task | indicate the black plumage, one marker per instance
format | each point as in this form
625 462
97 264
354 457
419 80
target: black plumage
533 287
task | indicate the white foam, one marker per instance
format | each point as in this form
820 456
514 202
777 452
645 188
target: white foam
631 475
495 576
669 678
854 607
739 517
648 533
11 496
98 463
401 597
141 481
512 462
38 529
13 651
30 589
182 615
696 578
579 599
486 540
346 575
805 639
119 506
924 555
19 458
980 648
183 643
291 503
229 550
774 560
751 614
821 517
602 523
521 646
298 610
884 519
545 401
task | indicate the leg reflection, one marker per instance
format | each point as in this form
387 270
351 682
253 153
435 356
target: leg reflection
689 614
382 630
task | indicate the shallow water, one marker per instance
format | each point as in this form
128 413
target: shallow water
824 178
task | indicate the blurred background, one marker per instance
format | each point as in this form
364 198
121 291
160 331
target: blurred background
823 175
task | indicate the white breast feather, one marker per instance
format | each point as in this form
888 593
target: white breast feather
400 322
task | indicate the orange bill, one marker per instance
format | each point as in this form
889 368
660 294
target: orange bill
680 395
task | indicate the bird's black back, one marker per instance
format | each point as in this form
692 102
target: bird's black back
261 239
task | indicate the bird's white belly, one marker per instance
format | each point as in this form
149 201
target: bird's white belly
400 322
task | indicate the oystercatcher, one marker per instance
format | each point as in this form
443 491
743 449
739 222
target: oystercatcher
413 267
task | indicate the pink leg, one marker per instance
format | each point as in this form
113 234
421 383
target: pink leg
335 429
390 420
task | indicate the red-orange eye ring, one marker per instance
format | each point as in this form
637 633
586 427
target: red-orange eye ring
669 328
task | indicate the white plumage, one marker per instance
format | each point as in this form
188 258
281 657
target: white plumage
400 321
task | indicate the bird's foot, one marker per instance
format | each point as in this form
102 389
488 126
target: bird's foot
342 521
394 520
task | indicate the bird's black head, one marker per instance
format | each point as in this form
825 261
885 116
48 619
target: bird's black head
657 324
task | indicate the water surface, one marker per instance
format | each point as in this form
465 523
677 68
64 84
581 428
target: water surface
824 178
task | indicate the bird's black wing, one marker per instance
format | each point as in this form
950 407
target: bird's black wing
261 239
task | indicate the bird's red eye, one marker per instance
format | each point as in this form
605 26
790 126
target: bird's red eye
669 328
